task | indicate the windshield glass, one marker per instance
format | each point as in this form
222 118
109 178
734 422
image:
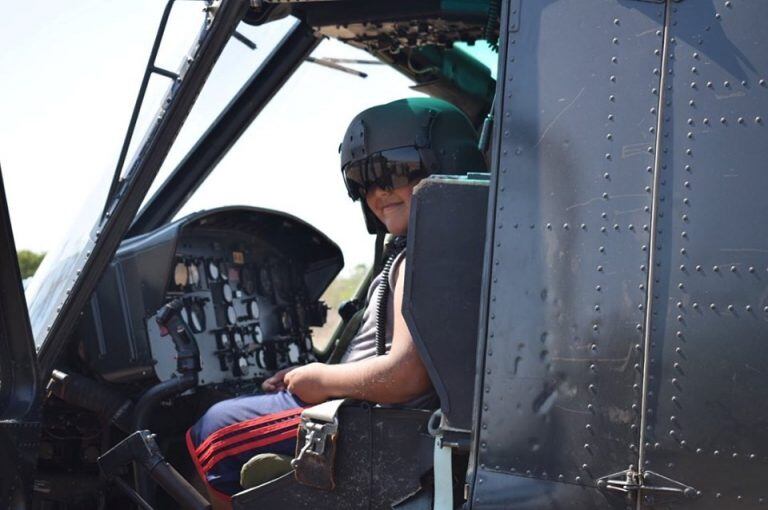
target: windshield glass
62 264
483 53
233 68
50 286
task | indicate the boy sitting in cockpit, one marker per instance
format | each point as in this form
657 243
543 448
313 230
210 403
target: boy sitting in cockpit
385 152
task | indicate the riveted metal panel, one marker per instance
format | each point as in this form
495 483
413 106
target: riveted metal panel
561 388
503 492
707 424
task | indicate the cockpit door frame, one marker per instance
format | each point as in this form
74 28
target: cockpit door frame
18 362
19 407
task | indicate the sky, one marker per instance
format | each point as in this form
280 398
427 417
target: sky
69 75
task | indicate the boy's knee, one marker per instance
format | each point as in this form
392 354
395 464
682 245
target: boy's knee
215 418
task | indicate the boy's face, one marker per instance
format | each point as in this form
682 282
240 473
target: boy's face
391 207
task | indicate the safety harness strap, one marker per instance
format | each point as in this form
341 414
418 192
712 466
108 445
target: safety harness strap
316 448
349 332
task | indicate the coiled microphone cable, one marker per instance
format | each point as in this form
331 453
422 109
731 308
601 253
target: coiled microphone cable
394 247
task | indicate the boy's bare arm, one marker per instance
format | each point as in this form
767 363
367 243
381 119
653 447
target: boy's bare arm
392 379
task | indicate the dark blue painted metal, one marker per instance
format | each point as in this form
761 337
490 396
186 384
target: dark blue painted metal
562 374
499 491
18 363
707 425
19 426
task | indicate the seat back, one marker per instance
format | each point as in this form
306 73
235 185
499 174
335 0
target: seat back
446 240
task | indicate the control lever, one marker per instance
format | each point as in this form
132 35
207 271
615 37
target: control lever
170 322
187 365
142 449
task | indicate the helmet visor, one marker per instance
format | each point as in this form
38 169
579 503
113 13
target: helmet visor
387 169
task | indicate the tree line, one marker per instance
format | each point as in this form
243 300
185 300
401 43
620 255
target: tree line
29 261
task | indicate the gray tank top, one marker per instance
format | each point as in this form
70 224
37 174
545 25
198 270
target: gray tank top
363 345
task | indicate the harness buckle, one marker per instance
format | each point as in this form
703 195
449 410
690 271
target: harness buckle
316 438
318 435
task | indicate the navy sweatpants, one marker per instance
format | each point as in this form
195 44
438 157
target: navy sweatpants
234 430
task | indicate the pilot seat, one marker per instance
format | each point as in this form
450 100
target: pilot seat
355 454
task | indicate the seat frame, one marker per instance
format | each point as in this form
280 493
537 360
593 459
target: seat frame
384 459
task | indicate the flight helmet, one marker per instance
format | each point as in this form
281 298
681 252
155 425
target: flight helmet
394 144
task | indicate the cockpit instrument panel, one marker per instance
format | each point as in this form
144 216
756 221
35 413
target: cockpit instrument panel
250 282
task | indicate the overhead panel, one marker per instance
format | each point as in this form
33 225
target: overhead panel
562 376
707 426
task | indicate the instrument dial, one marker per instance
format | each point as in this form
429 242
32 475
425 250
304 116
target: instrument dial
180 274
223 271
261 359
228 293
224 340
286 319
242 364
197 318
247 281
231 314
265 280
194 274
257 335
184 314
238 339
293 353
253 310
213 270
308 343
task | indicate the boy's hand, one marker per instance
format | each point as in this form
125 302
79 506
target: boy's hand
277 381
306 382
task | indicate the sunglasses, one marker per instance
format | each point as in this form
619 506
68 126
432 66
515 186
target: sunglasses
387 169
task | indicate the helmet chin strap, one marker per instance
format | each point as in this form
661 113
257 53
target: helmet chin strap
374 225
378 255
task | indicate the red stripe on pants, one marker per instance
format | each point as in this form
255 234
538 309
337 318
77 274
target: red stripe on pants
224 444
235 427
218 457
